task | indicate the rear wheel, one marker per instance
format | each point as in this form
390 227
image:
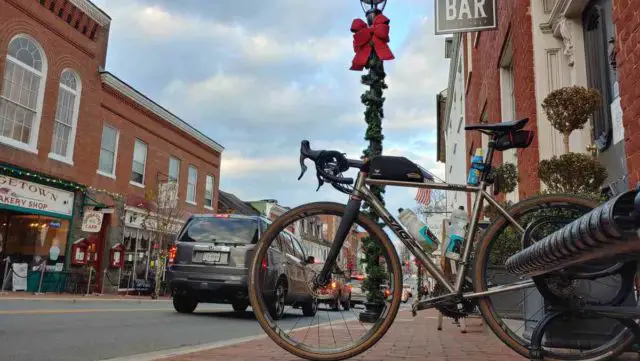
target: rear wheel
310 308
276 307
183 302
240 306
504 240
328 335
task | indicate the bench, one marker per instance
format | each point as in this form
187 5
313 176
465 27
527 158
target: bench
609 232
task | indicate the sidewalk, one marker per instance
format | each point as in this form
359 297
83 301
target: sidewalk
69 296
408 339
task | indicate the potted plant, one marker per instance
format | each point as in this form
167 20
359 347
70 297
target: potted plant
568 109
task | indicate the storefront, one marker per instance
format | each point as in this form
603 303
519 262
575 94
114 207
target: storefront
35 216
141 242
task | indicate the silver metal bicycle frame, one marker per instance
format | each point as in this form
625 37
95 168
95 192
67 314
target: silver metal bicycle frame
362 190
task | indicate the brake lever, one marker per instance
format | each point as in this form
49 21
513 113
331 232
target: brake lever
303 167
320 181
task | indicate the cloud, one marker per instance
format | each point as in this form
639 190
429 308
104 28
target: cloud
259 78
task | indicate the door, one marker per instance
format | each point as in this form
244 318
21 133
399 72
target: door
599 39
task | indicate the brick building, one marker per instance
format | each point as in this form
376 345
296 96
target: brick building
77 140
544 45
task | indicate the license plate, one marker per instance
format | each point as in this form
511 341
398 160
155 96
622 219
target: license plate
212 257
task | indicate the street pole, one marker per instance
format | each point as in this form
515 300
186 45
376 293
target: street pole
370 42
5 277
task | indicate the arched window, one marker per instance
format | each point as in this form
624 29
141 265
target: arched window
64 130
22 92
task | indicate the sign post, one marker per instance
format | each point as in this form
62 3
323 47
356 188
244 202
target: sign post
457 16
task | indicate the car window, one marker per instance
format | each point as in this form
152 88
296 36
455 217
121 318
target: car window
286 244
297 248
221 229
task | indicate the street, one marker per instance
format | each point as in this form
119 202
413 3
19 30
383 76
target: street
93 329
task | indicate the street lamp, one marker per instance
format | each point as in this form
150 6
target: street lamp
372 8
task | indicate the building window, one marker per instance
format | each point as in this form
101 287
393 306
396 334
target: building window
139 160
508 105
108 151
455 147
192 182
22 93
64 129
174 169
208 192
460 123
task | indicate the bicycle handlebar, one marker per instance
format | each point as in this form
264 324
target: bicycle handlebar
322 158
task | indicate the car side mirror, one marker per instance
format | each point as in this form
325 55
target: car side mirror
311 260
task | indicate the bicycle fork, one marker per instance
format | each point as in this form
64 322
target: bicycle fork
351 213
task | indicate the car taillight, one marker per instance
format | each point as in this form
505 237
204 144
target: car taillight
264 264
387 293
172 254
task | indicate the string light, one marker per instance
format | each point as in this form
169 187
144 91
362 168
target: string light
114 195
42 178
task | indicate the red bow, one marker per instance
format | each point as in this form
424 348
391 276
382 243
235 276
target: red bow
367 38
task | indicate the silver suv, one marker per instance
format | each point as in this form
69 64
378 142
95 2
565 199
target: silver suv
211 265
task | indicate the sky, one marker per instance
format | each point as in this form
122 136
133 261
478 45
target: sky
259 77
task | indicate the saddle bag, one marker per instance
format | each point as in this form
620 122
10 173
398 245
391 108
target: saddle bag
515 139
395 169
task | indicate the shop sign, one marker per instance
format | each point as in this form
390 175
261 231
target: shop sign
92 221
33 196
455 16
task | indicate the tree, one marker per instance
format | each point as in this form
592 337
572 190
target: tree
163 218
569 109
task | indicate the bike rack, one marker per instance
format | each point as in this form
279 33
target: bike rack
624 315
610 230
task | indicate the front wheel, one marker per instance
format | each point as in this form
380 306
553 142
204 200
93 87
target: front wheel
283 248
513 322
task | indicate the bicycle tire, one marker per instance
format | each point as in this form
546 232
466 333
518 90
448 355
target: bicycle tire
259 306
479 272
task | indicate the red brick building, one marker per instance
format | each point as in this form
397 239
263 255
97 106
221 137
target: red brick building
75 139
544 45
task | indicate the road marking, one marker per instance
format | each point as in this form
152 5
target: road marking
81 310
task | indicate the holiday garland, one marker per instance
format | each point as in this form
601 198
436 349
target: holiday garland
370 45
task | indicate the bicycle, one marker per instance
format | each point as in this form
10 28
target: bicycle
457 297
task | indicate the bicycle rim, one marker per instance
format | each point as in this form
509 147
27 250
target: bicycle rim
281 336
494 321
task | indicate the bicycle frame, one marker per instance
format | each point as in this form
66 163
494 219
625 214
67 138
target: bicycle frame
361 192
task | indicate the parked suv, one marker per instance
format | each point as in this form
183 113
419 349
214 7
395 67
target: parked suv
211 262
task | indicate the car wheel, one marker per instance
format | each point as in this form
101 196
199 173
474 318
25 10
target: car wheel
310 308
276 307
240 306
183 303
347 304
335 304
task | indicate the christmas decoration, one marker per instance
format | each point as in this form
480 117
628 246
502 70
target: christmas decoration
368 41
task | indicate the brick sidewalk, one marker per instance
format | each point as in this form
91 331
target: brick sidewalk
408 339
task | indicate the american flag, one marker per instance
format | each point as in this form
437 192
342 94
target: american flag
423 196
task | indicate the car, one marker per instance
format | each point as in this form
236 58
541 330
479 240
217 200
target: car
358 296
209 263
407 293
336 293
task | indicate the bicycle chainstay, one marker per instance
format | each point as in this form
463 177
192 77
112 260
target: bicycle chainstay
452 306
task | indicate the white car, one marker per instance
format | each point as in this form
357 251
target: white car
358 296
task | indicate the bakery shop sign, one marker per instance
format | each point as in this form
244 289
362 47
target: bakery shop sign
24 195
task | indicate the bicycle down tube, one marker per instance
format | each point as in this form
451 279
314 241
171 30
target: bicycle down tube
417 250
